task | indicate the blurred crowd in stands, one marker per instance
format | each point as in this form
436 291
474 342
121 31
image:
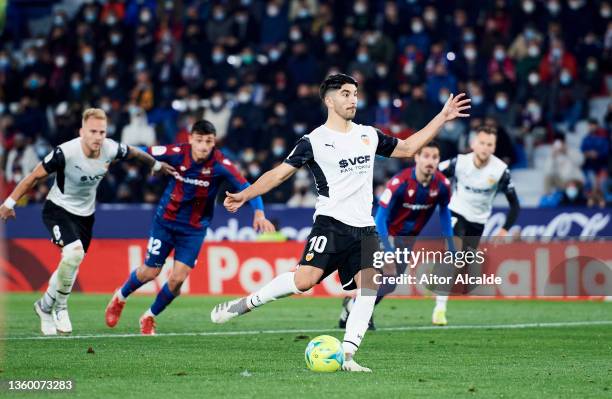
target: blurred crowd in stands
538 70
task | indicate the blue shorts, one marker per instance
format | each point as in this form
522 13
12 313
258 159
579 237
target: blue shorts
165 237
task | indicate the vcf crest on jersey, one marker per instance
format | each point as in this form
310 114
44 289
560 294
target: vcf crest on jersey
365 139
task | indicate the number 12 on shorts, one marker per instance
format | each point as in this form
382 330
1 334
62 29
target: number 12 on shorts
154 245
317 244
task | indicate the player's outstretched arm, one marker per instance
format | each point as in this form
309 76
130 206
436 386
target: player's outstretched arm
265 183
155 165
25 185
455 107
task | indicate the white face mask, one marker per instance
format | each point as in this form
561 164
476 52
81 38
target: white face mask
430 16
359 8
417 27
501 102
295 35
533 78
244 97
575 4
528 6
534 110
553 7
278 150
500 55
470 53
272 11
571 192
299 129
216 101
533 51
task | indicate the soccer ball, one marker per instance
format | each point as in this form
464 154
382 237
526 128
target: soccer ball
324 354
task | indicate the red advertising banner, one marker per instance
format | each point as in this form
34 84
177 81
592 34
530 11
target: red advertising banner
535 270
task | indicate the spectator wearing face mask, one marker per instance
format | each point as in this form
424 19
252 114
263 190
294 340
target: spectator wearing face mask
441 79
218 112
479 105
417 36
519 48
529 62
303 195
591 75
78 90
573 195
138 132
532 127
20 161
418 111
556 60
502 64
363 63
391 25
411 65
274 23
596 149
534 88
526 12
563 166
503 111
469 66
568 99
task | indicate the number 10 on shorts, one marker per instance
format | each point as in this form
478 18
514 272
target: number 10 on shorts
317 244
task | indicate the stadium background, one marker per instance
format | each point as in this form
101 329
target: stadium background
538 70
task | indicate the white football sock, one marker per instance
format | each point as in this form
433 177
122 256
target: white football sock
72 256
441 302
357 322
48 299
281 286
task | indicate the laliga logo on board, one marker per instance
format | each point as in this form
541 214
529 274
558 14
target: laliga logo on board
560 226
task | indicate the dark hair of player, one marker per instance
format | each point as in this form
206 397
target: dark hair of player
487 130
203 127
431 144
335 82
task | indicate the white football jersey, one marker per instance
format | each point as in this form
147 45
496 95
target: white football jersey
475 188
77 177
342 165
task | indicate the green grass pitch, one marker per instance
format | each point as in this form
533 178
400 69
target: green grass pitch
492 349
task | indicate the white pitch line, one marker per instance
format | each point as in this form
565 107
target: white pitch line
323 330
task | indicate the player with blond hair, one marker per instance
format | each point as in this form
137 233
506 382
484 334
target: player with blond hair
68 213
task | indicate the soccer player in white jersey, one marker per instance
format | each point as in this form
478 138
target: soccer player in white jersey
477 177
68 213
340 155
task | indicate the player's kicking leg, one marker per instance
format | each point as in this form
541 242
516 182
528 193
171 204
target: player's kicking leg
296 283
283 285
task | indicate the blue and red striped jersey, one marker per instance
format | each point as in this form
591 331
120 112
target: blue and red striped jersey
190 195
410 204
